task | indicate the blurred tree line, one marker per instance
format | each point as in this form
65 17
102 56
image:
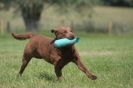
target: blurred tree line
31 9
127 3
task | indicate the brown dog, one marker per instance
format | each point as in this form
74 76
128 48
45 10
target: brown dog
42 47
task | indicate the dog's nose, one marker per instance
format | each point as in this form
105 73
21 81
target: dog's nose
72 37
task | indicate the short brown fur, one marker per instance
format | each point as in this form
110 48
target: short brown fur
42 47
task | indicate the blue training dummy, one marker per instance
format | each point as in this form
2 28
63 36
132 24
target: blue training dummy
65 42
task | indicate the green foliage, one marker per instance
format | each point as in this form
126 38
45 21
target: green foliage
6 4
75 2
25 3
93 2
6 1
128 3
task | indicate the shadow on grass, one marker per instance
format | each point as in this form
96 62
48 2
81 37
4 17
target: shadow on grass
46 76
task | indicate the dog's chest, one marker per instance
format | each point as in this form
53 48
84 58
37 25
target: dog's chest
67 53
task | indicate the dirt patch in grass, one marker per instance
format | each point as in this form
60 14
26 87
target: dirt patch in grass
96 53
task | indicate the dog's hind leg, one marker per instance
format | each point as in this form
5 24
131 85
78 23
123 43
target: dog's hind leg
58 68
25 62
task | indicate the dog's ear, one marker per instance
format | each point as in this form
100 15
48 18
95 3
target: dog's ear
53 31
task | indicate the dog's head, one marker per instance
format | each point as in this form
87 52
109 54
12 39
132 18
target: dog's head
63 32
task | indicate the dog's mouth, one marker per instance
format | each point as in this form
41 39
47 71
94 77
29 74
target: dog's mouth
71 38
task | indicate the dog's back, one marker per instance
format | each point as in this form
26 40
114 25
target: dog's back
39 46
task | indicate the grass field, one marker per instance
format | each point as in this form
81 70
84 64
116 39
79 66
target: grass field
109 57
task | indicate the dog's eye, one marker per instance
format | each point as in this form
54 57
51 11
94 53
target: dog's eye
65 32
71 30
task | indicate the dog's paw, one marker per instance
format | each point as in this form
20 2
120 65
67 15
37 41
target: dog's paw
60 78
93 77
19 75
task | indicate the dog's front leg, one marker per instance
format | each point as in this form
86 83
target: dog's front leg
83 68
58 68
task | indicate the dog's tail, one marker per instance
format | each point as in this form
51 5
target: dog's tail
23 36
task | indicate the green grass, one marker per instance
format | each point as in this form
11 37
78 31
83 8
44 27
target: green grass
109 57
